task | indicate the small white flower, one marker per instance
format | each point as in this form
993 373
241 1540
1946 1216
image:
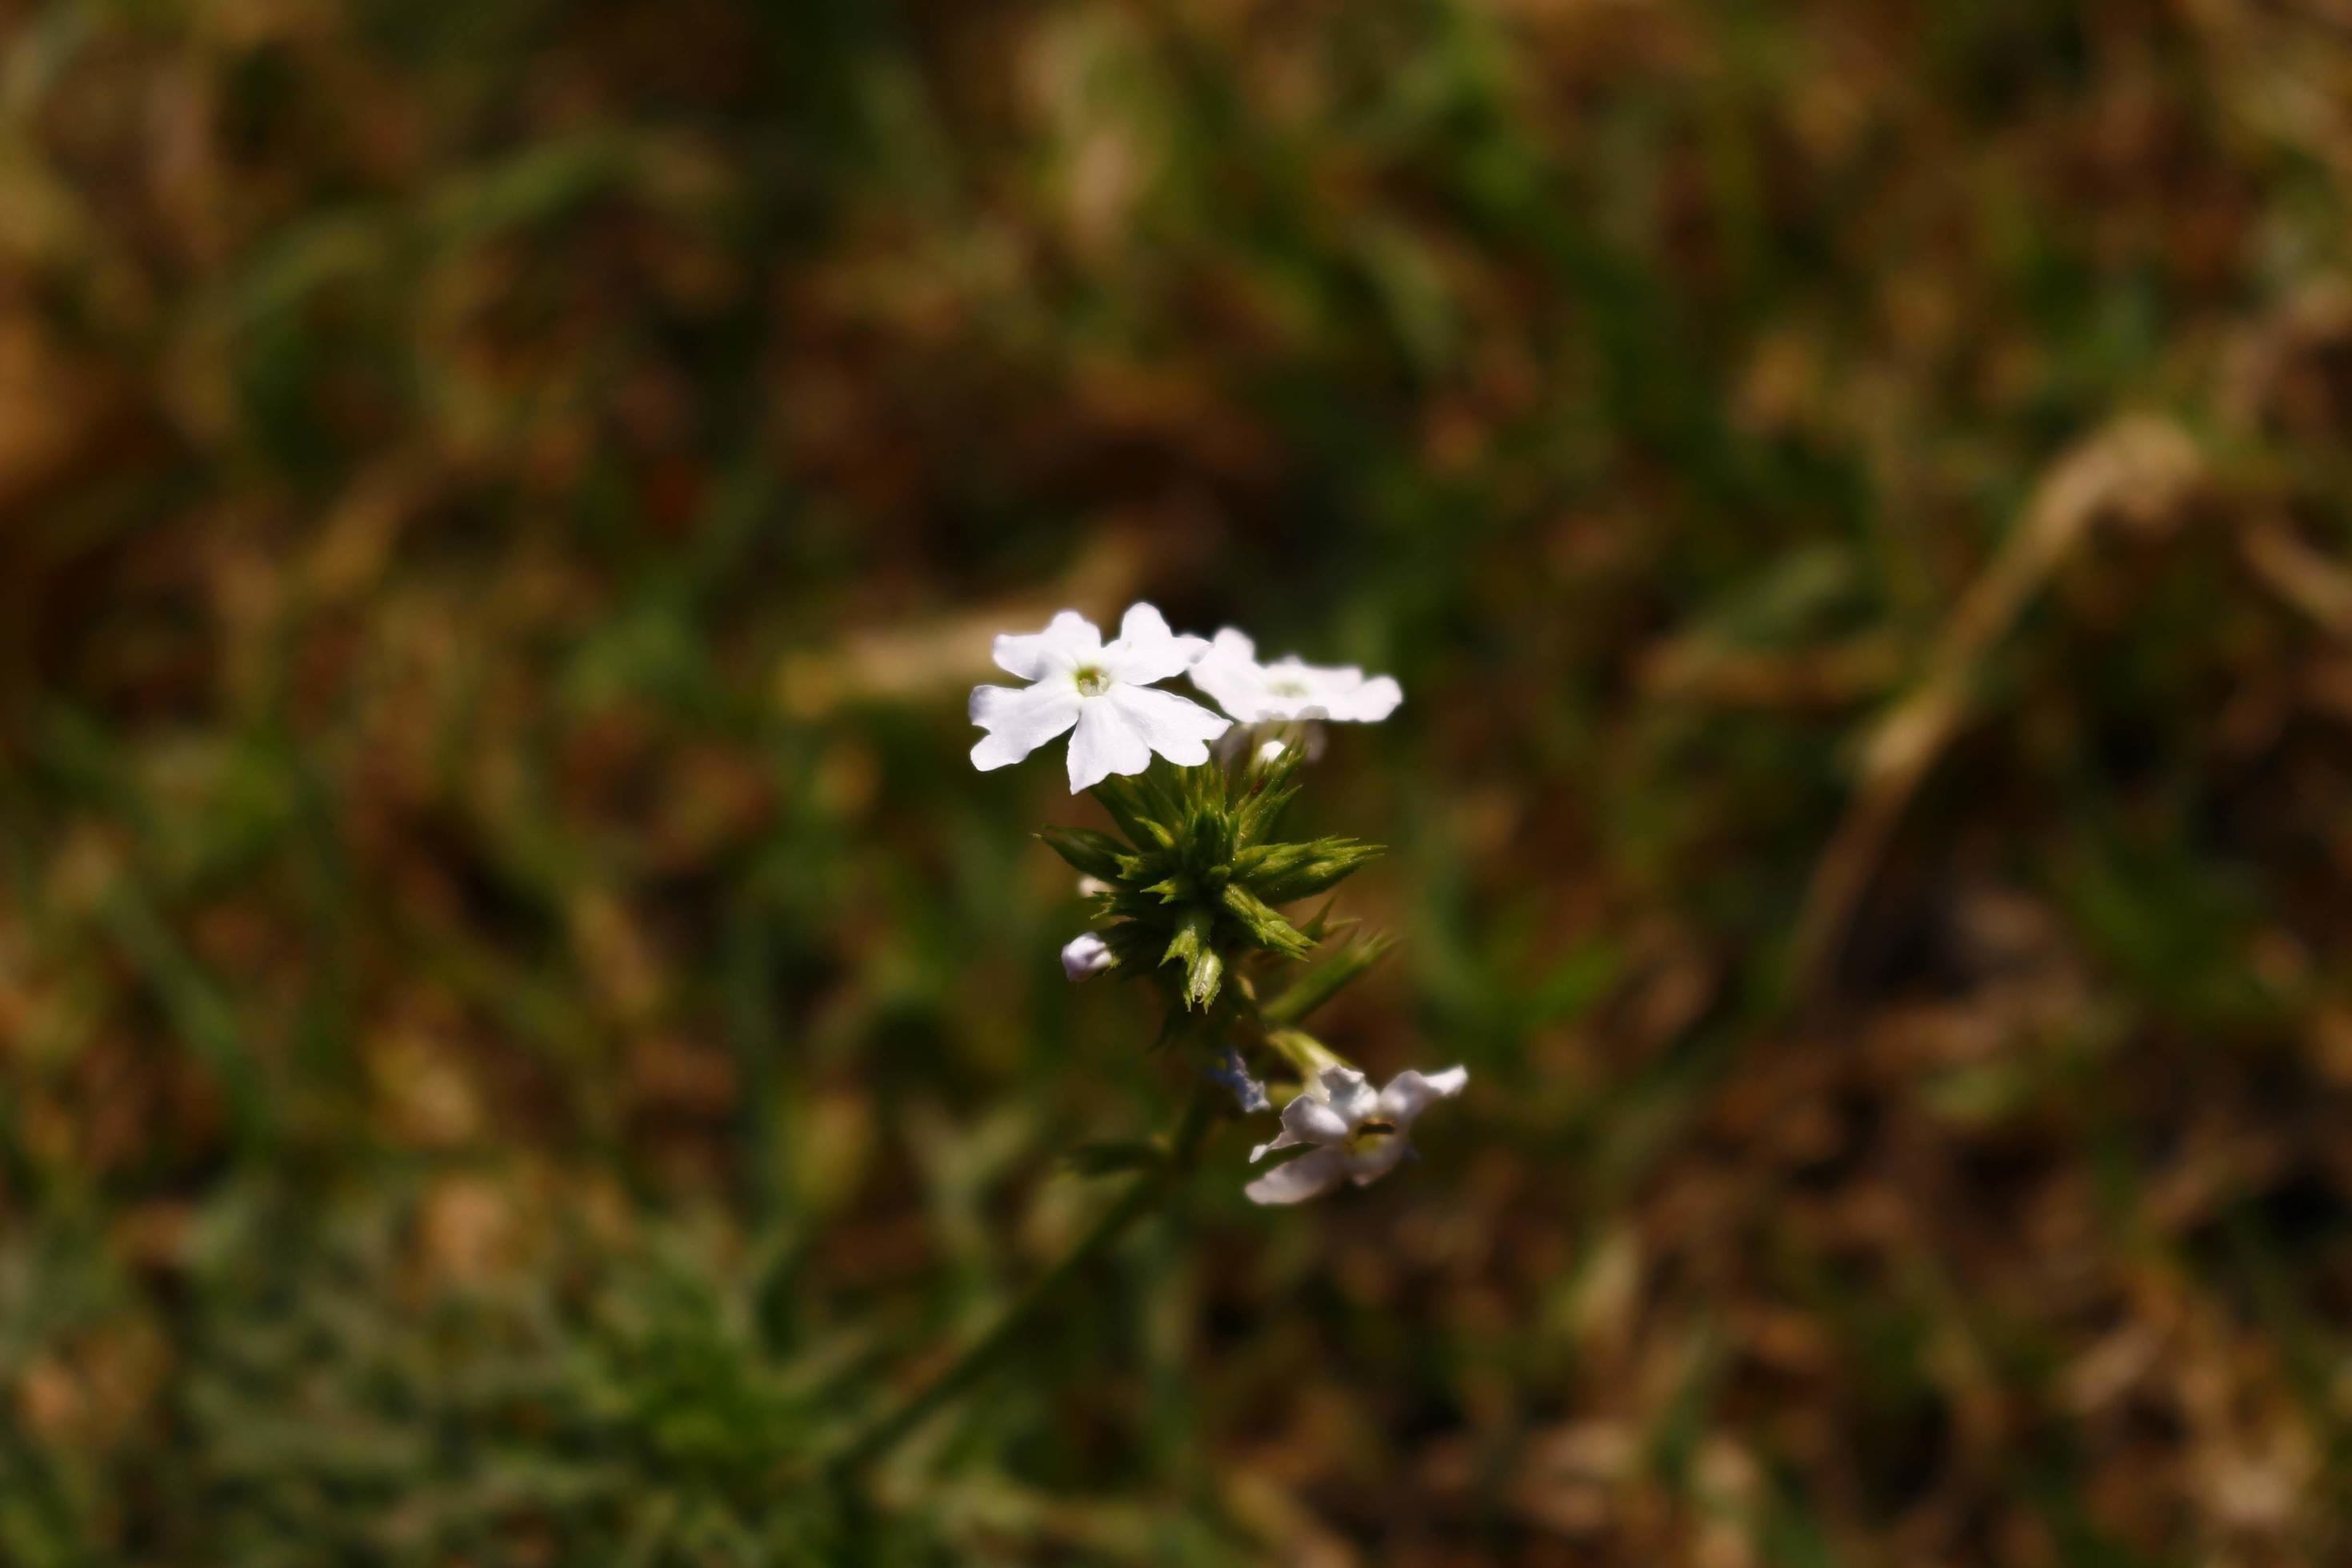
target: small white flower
1102 690
1287 688
1085 956
1358 1135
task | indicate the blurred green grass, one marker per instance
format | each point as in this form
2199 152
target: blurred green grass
519 1026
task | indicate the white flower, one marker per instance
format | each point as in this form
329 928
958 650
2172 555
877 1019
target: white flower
1287 688
1358 1135
1085 956
1104 689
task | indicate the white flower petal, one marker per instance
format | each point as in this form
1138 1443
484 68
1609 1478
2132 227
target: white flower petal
1085 955
1285 1138
1068 639
1296 690
1307 1120
1232 642
1019 720
1310 1175
1410 1093
1146 650
1376 698
1288 687
1177 728
1349 1096
1228 673
1143 623
1104 743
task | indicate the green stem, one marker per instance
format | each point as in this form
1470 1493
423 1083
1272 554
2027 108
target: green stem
1142 1195
1307 1055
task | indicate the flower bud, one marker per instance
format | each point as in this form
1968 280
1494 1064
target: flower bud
1085 956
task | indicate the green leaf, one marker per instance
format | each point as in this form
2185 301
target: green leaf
1134 815
1202 983
1281 873
1267 928
1212 835
1322 925
1089 853
1191 938
1204 970
1164 791
1258 813
1325 981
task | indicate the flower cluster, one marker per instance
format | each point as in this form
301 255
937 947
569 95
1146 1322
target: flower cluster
1189 892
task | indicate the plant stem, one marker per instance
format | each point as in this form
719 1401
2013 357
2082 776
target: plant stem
1141 1197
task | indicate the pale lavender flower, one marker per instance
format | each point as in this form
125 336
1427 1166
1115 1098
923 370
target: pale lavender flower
1356 1134
1085 955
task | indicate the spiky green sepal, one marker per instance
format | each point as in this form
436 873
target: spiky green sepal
1194 876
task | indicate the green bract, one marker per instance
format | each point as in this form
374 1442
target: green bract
1195 876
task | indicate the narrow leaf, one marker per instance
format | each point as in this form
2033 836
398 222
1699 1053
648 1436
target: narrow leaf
1325 981
1089 853
1265 927
1282 873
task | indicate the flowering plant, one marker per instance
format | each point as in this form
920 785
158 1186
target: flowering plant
1189 893
1194 892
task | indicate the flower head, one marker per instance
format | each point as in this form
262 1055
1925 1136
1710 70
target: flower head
1287 688
1101 692
1357 1135
1196 875
1085 955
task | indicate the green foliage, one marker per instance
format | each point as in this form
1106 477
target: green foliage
519 1027
1325 981
1194 882
1089 853
1286 873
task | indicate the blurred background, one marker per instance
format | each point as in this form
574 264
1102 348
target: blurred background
518 1024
